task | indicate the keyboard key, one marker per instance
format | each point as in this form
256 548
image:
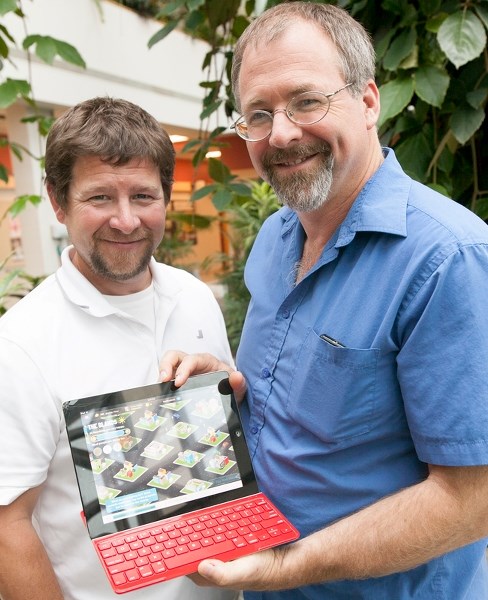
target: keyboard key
200 554
150 553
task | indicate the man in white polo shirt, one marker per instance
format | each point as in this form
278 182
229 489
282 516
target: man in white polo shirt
100 323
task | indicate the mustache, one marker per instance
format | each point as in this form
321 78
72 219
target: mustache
280 155
113 236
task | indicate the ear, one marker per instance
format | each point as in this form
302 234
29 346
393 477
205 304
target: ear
58 211
371 100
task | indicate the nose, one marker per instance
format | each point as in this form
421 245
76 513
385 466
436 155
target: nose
283 131
125 217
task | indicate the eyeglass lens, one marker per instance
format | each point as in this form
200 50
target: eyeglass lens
304 109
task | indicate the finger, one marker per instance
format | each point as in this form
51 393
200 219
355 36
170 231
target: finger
169 363
193 364
239 385
242 574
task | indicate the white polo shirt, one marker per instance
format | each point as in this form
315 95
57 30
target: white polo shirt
66 341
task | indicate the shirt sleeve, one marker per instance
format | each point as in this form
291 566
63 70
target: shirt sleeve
30 423
443 361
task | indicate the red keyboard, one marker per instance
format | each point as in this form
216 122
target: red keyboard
174 547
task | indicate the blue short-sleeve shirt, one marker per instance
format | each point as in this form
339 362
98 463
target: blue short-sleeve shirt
403 287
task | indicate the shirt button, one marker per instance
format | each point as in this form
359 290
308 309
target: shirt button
254 430
286 313
265 372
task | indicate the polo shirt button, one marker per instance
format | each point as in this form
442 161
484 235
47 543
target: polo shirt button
254 430
265 372
286 314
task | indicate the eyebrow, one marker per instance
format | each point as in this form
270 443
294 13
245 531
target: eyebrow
257 103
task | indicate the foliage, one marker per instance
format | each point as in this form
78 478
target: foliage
245 215
46 48
14 284
175 246
432 70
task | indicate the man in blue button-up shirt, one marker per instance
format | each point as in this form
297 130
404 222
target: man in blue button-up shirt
365 347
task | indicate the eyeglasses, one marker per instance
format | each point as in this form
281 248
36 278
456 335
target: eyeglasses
305 109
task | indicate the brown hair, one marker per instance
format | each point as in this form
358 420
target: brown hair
115 130
353 43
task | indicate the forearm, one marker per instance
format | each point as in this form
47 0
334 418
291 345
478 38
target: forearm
397 533
25 570
393 535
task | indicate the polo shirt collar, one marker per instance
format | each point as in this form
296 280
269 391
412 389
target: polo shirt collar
82 293
381 206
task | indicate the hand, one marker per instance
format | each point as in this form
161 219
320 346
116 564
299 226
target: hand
259 571
179 366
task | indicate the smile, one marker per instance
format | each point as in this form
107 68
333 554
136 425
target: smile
293 163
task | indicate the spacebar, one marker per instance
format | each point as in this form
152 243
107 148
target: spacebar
200 554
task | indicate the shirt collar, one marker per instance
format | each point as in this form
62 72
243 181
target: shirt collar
81 292
380 206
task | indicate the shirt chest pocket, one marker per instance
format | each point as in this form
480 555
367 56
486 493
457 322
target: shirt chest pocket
332 394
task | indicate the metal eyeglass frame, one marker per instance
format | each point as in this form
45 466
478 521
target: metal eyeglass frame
287 112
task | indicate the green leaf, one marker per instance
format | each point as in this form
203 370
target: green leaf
11 89
17 150
44 123
218 171
219 12
4 49
162 33
6 33
481 208
400 48
47 48
194 20
69 53
477 97
414 155
462 37
7 6
169 8
465 121
222 199
431 84
21 202
435 22
3 173
203 191
210 109
381 44
194 4
429 7
482 12
439 188
241 189
239 25
395 96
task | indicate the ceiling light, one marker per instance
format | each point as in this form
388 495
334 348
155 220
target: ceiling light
178 138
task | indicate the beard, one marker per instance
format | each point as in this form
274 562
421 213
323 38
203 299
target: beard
122 265
304 191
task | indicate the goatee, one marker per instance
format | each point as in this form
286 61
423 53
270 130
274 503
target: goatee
301 191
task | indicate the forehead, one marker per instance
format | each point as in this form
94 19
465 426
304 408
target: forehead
302 57
94 167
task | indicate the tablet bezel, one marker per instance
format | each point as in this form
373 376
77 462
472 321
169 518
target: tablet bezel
81 456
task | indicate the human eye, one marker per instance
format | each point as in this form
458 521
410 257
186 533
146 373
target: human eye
98 198
309 102
257 118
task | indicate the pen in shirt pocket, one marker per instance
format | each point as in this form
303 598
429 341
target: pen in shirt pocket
332 341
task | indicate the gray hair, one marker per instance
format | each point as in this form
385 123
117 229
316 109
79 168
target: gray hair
353 43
